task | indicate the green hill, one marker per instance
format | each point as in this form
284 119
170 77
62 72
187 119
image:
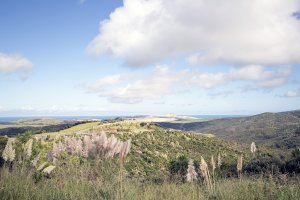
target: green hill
281 130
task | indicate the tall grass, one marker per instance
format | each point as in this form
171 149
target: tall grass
99 180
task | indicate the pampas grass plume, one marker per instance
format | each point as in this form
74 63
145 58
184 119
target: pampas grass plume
191 173
253 147
9 153
28 148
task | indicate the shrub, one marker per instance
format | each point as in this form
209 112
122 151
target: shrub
293 165
178 168
296 152
266 164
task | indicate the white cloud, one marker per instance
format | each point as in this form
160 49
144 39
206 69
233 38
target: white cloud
154 86
12 62
208 80
27 108
135 88
293 93
243 32
251 72
105 82
263 76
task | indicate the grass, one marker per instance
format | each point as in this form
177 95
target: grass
99 181
73 129
32 122
190 120
146 176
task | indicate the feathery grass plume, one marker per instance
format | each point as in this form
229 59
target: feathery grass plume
73 146
28 148
78 147
213 163
50 156
115 148
219 161
118 148
88 147
9 153
42 166
125 149
123 153
57 149
239 165
101 142
112 142
49 169
191 173
253 148
205 173
35 160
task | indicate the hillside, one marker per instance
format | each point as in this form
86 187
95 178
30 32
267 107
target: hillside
155 168
37 125
153 148
280 130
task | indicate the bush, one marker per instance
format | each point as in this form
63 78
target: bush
178 168
265 165
296 152
293 166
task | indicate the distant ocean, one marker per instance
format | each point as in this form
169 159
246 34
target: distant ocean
12 119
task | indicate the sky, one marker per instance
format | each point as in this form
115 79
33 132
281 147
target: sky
140 57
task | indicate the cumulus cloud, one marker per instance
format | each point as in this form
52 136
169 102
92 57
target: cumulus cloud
12 62
107 81
292 93
260 75
240 32
208 80
119 89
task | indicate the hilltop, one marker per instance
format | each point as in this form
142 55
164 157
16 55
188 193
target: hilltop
281 130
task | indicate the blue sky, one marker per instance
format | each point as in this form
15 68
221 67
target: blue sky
100 57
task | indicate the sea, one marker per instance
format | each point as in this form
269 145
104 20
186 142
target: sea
13 119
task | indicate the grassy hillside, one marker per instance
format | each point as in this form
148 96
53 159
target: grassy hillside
43 126
148 169
153 148
280 130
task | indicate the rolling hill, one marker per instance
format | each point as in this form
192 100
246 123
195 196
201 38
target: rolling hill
281 130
